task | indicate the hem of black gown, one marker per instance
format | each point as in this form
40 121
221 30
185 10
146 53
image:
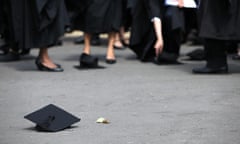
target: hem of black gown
98 31
219 38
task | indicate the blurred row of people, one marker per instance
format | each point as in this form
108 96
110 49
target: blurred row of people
157 28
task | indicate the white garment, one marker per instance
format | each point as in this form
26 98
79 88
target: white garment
156 19
186 3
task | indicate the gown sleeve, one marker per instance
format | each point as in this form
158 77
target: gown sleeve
153 8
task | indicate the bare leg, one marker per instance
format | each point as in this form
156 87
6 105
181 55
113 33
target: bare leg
87 44
122 36
118 43
45 59
120 40
110 50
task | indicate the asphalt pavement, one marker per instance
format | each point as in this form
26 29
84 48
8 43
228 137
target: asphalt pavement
145 103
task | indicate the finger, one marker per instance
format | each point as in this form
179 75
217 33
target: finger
156 52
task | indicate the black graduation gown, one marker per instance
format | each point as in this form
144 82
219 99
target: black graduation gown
126 18
128 6
131 3
36 23
74 10
1 17
142 31
74 5
99 16
220 19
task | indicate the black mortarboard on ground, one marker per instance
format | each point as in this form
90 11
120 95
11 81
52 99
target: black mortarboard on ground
88 62
52 118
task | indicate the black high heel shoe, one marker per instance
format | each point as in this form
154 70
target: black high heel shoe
42 67
111 61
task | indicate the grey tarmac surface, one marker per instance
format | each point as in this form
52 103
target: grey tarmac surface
145 103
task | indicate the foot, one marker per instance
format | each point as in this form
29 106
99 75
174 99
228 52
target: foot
118 45
48 66
207 70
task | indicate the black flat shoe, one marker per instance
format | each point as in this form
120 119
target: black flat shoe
206 70
39 61
42 67
111 61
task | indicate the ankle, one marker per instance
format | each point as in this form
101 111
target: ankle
110 56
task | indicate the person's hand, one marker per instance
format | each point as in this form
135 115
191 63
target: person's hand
158 46
180 3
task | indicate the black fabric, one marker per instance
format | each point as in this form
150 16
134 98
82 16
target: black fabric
74 9
220 19
174 18
1 17
99 16
37 23
191 23
142 32
172 41
143 35
7 25
75 5
131 3
126 14
191 19
173 26
216 53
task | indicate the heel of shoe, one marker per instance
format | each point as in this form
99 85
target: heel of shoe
38 63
